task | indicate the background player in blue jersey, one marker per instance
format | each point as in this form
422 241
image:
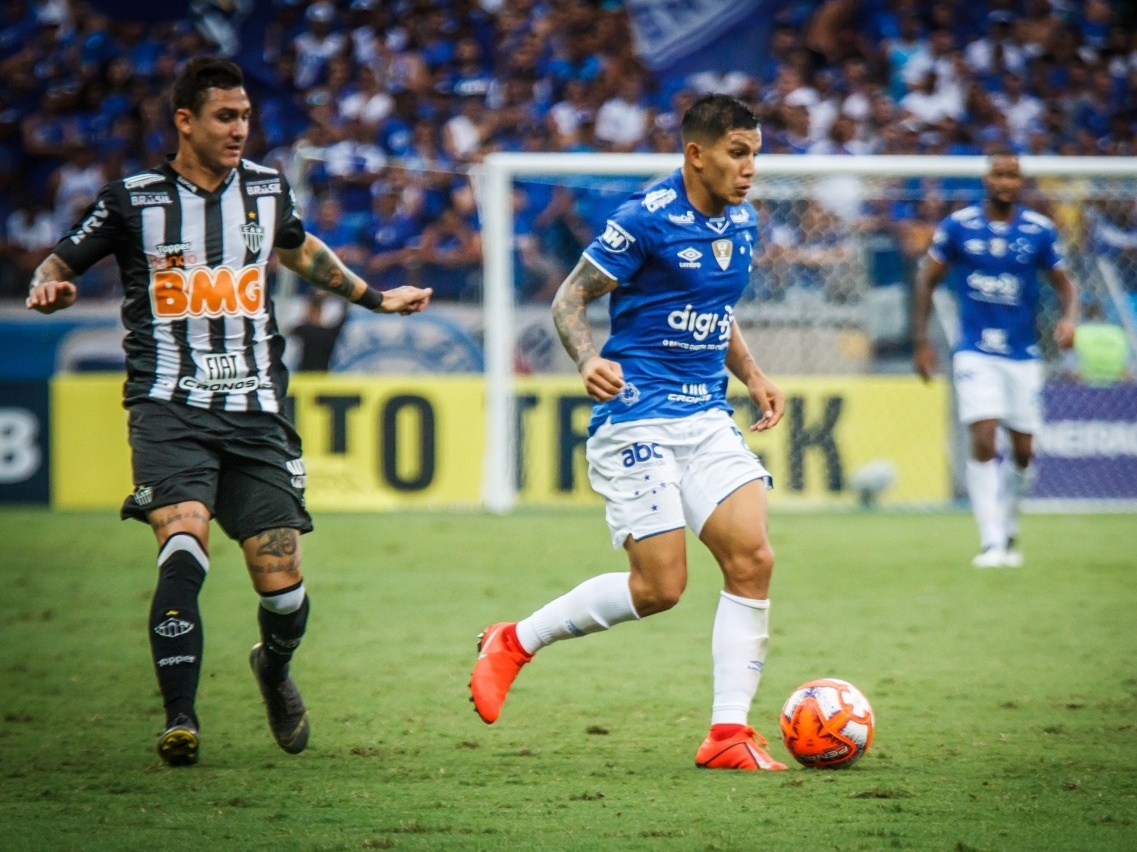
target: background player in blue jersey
663 449
996 250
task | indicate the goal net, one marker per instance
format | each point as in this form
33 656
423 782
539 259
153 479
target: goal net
827 315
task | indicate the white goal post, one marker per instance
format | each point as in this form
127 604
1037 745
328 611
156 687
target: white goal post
493 184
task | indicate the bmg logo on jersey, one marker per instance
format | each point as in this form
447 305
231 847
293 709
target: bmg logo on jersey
701 325
641 453
207 292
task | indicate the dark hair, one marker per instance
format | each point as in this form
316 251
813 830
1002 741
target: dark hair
198 76
712 116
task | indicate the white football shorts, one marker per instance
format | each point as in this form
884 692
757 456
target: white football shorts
990 387
657 475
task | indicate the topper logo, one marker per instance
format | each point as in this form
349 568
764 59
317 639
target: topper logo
204 292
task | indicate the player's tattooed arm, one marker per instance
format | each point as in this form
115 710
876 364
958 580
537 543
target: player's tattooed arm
317 264
52 269
584 284
50 289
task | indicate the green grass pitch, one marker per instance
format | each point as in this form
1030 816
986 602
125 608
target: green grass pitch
1006 701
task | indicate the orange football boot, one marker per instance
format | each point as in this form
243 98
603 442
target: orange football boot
745 750
500 658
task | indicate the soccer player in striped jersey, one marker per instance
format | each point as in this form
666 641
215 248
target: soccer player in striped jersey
205 382
997 249
662 449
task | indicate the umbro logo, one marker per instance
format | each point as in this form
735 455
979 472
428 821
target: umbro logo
690 258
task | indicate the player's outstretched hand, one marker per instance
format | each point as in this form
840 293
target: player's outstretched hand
924 359
770 401
1064 333
51 296
603 379
406 300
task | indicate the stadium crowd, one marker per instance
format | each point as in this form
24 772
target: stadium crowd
393 100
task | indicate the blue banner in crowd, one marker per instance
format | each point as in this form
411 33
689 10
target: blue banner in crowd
667 33
1088 447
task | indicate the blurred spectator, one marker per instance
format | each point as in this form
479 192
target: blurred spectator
318 331
391 239
451 257
329 226
621 121
998 50
74 186
927 105
901 50
31 235
317 43
567 114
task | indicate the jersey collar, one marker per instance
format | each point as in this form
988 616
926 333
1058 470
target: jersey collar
188 185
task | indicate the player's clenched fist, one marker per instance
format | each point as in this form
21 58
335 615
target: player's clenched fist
51 297
603 379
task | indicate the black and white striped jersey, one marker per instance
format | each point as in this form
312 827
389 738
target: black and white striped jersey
200 328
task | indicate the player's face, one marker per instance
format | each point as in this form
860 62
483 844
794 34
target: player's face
1004 180
217 134
728 165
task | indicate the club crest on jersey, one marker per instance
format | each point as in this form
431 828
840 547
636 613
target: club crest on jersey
253 235
616 238
722 250
629 394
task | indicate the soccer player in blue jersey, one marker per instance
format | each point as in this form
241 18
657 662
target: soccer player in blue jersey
996 250
663 450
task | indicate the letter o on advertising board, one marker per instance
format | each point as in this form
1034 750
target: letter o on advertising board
392 437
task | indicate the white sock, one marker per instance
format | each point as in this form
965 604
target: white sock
738 649
594 605
983 489
1017 480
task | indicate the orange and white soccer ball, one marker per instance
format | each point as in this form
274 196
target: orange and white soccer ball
827 723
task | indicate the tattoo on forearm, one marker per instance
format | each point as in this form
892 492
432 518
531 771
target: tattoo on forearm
328 273
52 269
278 542
584 284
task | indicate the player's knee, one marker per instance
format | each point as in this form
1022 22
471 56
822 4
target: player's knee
751 569
1023 458
983 450
273 558
659 594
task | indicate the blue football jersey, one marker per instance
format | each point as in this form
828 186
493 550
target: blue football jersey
680 275
995 271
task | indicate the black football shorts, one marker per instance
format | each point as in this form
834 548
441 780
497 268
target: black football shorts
245 466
